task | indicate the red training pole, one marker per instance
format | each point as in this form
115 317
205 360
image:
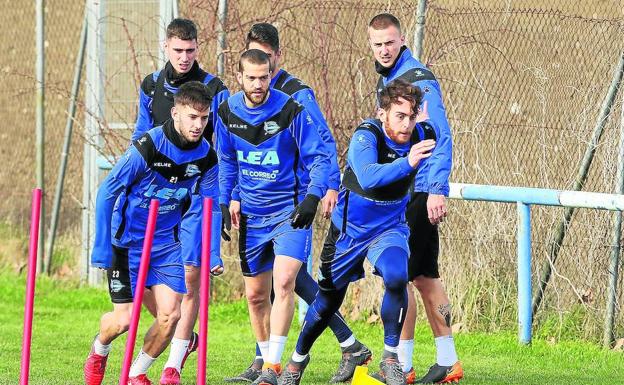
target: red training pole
204 291
140 288
35 217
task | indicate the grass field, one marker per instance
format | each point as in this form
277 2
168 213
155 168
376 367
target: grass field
66 319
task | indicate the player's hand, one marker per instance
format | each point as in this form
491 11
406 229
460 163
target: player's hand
235 212
303 215
423 114
436 208
217 270
226 222
216 265
420 151
329 202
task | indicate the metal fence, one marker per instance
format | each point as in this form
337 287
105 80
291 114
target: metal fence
523 83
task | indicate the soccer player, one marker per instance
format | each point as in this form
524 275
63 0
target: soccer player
155 102
427 207
158 88
265 37
273 171
369 223
167 163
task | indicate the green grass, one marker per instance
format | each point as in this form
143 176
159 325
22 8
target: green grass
66 319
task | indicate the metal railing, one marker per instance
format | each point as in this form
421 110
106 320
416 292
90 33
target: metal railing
525 197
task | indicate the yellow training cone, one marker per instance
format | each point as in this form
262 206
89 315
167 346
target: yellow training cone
361 377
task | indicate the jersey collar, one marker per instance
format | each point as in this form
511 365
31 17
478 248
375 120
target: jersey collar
175 138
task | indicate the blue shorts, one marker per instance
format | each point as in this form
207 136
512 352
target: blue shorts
190 234
342 258
262 238
165 267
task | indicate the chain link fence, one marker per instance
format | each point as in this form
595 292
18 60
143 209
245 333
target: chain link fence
523 83
17 148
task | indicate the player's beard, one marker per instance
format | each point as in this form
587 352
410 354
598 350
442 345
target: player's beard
255 100
185 135
392 135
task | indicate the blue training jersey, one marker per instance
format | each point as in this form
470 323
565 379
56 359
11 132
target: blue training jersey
156 97
433 172
156 166
272 154
383 175
302 93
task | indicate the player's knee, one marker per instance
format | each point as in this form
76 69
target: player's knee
395 279
283 286
123 321
256 298
305 286
192 293
423 284
169 319
326 304
393 272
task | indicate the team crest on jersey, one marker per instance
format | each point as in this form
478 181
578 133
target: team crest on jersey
191 170
271 127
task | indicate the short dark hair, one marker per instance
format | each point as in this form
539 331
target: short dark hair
263 33
254 56
194 94
400 89
384 20
183 29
